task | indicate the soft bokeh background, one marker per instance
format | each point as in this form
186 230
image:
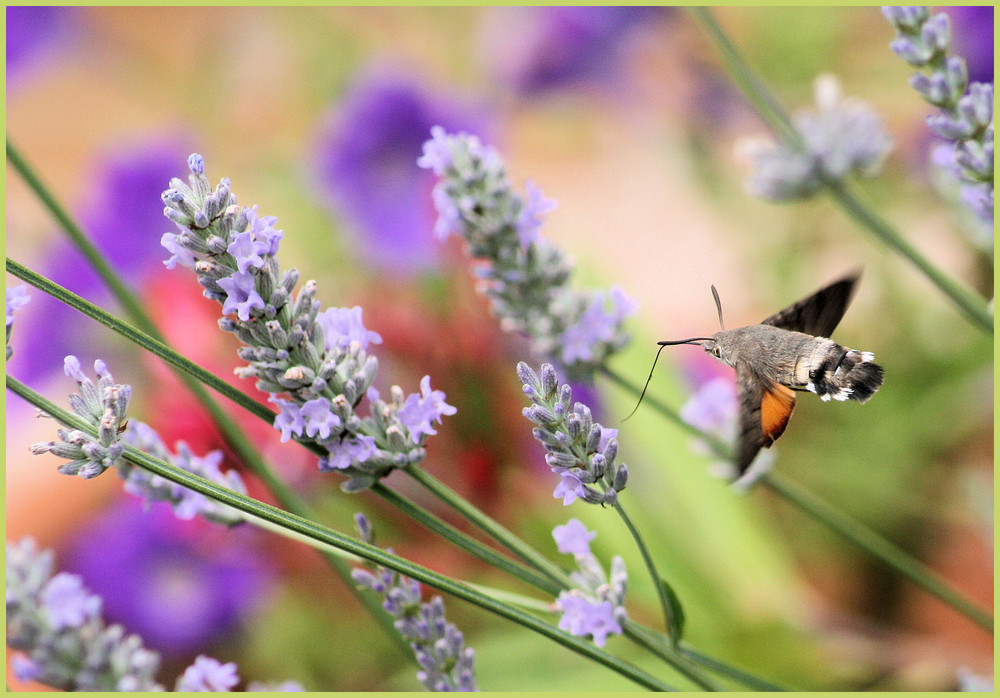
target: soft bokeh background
625 118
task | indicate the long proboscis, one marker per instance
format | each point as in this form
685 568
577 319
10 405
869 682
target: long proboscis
692 340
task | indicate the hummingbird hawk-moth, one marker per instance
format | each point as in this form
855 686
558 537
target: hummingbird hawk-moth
788 352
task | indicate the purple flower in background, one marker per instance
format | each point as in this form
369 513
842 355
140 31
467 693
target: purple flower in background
584 617
561 47
179 585
67 602
529 221
366 166
972 38
17 297
208 674
32 34
597 324
123 215
573 538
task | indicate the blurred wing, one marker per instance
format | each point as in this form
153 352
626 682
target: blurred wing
820 313
764 412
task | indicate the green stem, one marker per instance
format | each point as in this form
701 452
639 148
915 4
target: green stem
334 540
877 546
675 659
973 307
671 622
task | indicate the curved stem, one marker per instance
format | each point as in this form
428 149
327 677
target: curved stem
670 619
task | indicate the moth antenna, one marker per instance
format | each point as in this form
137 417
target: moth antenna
718 306
692 340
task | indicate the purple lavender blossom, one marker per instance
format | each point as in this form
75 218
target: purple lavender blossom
186 503
596 325
344 452
419 411
524 276
579 450
178 584
596 605
570 487
242 296
104 408
584 617
319 361
842 136
341 326
208 674
247 251
55 624
712 407
366 159
573 537
318 418
289 420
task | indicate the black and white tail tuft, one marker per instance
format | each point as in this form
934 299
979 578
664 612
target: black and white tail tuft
846 374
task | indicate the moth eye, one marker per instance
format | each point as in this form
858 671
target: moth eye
717 352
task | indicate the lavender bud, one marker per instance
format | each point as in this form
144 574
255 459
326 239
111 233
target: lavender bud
528 377
550 382
621 478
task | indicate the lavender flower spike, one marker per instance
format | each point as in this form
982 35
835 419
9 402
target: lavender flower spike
966 110
56 623
445 663
104 408
579 450
525 277
319 360
841 137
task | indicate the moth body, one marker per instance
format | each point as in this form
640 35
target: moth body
787 352
799 361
